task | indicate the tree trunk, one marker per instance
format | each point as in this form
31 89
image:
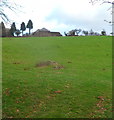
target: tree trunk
29 31
22 32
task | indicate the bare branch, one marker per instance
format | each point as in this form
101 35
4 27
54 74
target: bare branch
10 5
101 1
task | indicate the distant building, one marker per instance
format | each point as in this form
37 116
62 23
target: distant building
8 33
4 32
45 33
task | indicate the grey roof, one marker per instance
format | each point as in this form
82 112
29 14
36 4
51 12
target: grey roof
43 29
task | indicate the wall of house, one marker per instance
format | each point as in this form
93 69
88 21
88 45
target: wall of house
55 34
46 34
5 33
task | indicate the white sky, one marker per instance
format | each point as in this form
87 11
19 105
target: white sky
62 15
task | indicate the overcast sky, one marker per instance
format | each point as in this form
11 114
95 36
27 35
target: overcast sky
62 15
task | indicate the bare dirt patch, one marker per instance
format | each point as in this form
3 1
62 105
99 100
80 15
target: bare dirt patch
16 62
53 64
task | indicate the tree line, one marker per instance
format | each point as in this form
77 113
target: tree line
75 32
14 31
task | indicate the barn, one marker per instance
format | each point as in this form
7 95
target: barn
45 33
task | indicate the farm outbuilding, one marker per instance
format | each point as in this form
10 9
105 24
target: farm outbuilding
45 33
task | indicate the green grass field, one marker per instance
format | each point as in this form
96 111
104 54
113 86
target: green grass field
78 86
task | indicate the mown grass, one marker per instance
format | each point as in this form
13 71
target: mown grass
82 89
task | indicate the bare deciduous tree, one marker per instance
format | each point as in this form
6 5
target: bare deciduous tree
6 4
101 1
111 2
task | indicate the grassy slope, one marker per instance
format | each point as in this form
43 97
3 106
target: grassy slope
29 91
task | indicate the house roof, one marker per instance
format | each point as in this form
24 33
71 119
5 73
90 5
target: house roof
45 32
43 29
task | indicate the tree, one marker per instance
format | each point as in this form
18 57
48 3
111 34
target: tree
96 34
65 33
30 26
13 29
112 33
7 4
85 32
72 32
17 32
23 28
2 27
103 32
91 32
78 31
112 10
101 1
